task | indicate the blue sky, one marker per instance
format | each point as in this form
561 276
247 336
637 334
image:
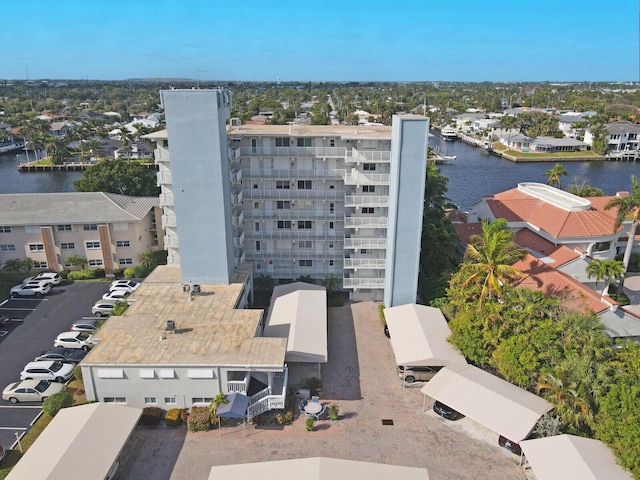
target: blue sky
328 40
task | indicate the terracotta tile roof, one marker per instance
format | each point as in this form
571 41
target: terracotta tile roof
532 241
466 230
517 206
541 276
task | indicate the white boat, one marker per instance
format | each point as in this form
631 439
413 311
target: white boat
448 158
449 133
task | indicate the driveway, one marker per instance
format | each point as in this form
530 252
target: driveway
361 378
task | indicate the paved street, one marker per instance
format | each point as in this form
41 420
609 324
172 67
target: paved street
361 378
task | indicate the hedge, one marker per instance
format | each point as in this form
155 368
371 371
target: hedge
199 419
151 416
56 402
81 275
173 418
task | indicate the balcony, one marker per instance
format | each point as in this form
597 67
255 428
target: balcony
166 199
369 156
238 241
357 243
364 263
163 178
366 201
356 177
236 177
294 234
239 258
236 198
234 155
293 194
295 214
161 155
168 221
300 152
355 283
171 241
325 173
237 218
366 222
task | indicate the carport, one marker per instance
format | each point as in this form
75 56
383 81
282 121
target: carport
419 336
317 468
488 400
568 456
80 442
298 312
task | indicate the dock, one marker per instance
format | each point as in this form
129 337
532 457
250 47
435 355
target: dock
67 166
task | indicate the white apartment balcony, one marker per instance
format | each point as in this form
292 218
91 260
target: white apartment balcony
373 243
301 152
238 241
166 199
293 194
365 263
237 218
294 214
356 283
366 201
170 241
366 222
295 272
236 177
327 173
356 177
163 178
368 156
293 234
161 155
234 155
236 198
239 258
296 254
169 221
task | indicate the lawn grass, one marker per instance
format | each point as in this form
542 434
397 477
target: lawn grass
516 153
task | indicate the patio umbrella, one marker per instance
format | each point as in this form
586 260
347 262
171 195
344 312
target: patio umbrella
236 407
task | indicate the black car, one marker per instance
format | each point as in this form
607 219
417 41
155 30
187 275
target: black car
67 355
513 447
386 331
446 411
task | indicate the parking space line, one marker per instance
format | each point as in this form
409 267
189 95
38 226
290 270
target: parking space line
6 300
22 299
18 309
14 428
20 406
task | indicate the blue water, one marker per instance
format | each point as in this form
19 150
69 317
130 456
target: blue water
12 181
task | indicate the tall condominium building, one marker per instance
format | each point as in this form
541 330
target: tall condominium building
294 200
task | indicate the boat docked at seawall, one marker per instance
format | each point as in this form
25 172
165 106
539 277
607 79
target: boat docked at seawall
449 133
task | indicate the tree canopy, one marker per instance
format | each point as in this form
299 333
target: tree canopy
119 176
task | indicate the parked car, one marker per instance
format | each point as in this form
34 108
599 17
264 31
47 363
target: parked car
3 454
422 374
103 307
90 325
55 371
31 288
126 285
115 295
31 390
513 447
51 278
67 355
81 340
446 411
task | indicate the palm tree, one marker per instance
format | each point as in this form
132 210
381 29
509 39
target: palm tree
331 283
490 256
628 207
219 399
598 269
563 393
553 175
147 260
57 149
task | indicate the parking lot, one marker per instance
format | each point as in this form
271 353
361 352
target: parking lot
33 325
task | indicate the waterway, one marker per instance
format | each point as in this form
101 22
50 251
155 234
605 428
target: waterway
473 174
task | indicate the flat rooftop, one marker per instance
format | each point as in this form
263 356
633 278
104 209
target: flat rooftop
209 330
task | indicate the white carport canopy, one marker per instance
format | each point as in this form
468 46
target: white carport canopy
298 312
80 442
317 468
495 403
419 336
568 456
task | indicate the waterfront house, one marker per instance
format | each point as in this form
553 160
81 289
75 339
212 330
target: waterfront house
555 145
515 141
623 137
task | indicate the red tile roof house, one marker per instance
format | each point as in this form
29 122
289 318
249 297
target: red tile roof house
563 234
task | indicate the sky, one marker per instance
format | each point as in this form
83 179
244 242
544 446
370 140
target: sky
327 40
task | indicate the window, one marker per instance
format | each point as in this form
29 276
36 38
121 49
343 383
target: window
363 251
123 243
282 142
332 208
64 228
305 244
368 188
166 373
67 246
601 246
39 264
170 400
110 373
332 143
368 210
283 205
305 225
255 185
95 263
200 373
36 247
7 248
256 205
330 244
201 400
147 373
115 400
331 225
92 245
125 261
304 142
371 167
284 223
5 229
150 401
304 184
305 263
258 245
120 226
256 226
331 263
90 227
283 184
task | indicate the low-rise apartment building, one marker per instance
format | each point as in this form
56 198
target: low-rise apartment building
109 230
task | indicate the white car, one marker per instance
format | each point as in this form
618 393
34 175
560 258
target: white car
75 340
31 288
31 390
124 285
54 371
51 278
103 307
90 326
115 295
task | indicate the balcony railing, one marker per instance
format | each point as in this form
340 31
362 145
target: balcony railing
374 243
327 173
168 221
294 234
161 155
296 254
359 282
238 241
293 194
237 218
302 152
166 200
295 214
236 177
236 198
366 222
366 201
170 241
365 263
239 258
163 178
369 156
356 177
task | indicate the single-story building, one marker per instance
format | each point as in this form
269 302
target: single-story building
553 145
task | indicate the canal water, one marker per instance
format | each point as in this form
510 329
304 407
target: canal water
473 174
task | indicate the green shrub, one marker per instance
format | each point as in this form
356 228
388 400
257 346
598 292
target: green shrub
119 308
98 273
81 275
64 274
118 272
52 405
173 418
199 419
309 424
140 272
129 272
77 372
151 416
621 298
381 314
288 417
184 415
333 412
